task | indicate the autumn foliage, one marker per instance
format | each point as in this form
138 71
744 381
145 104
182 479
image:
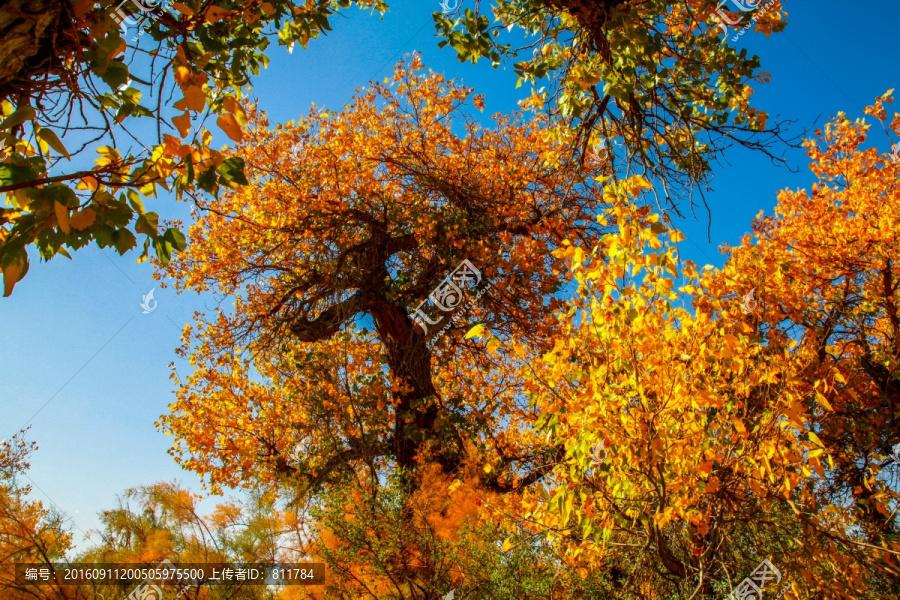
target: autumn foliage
744 412
603 419
351 220
652 81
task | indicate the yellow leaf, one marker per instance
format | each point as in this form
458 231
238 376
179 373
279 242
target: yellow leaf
640 183
738 425
816 439
234 107
507 544
487 468
578 258
823 402
475 331
62 217
229 125
53 141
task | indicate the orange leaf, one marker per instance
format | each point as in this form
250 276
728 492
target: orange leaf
183 123
11 275
234 107
229 125
182 75
194 99
88 182
83 219
214 14
62 217
172 145
182 8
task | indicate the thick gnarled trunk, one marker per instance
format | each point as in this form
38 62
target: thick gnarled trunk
35 37
409 360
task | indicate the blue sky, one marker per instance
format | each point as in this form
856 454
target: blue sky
88 369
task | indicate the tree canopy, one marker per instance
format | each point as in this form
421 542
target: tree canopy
458 351
743 412
687 422
649 79
381 202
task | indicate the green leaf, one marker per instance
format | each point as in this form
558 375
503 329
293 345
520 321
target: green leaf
232 171
116 74
53 141
134 199
163 250
59 192
148 224
176 238
12 174
124 241
189 168
207 180
103 235
22 114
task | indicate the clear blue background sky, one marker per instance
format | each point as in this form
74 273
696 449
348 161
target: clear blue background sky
77 343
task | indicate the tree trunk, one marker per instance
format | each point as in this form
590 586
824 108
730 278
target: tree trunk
409 360
35 38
